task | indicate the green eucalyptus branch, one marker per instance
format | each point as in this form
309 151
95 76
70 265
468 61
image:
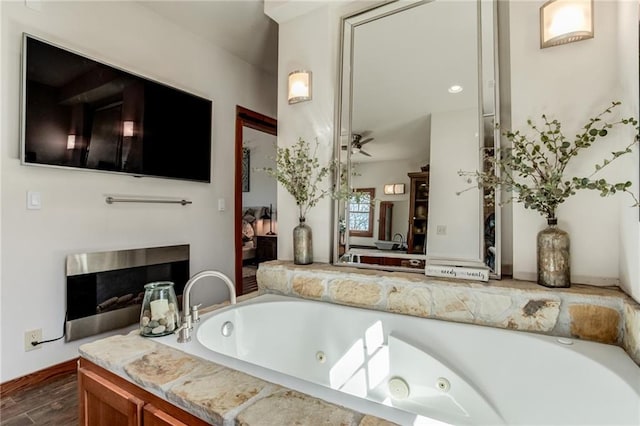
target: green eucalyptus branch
533 168
343 191
298 170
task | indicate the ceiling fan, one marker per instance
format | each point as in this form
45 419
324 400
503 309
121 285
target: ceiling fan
357 142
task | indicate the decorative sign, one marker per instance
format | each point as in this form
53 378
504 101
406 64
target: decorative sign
458 272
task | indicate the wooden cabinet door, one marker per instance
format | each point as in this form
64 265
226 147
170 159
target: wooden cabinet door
103 403
267 248
418 213
153 416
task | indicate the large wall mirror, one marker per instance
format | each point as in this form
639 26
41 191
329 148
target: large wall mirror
417 104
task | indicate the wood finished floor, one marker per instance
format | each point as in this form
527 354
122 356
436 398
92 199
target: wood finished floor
249 284
54 402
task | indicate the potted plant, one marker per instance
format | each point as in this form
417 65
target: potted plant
299 171
533 171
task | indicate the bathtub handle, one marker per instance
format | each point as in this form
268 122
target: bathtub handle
195 316
183 332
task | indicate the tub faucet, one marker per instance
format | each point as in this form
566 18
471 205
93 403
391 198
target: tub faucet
401 239
190 313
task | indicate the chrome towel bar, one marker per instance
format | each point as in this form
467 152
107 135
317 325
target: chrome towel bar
111 200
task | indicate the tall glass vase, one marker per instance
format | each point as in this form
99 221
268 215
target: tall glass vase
302 244
553 256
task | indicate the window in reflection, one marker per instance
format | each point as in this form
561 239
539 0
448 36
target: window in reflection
361 212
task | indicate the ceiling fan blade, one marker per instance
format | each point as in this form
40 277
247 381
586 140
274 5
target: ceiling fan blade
365 153
366 141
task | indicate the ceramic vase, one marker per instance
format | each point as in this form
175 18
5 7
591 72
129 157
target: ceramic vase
553 256
302 244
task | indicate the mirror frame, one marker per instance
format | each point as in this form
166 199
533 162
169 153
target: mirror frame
343 118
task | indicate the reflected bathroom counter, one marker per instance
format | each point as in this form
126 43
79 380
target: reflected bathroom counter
399 254
394 260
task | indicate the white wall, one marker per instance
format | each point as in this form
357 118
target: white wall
572 82
74 217
628 17
308 42
454 134
2 120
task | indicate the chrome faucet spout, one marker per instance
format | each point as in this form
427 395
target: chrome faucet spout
401 238
186 294
190 313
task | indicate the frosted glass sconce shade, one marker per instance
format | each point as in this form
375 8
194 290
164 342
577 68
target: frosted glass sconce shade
71 141
299 86
565 21
394 188
127 129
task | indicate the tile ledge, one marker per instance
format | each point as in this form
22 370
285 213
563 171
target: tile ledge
574 312
504 284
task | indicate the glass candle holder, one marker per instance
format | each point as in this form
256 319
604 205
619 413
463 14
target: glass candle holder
159 314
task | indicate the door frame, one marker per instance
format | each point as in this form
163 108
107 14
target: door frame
254 120
386 209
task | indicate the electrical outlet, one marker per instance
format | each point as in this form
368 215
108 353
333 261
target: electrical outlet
441 230
32 336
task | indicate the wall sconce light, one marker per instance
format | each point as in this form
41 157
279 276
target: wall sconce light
71 142
299 86
127 129
565 21
394 188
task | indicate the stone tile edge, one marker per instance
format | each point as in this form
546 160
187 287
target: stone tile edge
631 336
520 293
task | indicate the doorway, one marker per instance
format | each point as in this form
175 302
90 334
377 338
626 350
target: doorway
255 239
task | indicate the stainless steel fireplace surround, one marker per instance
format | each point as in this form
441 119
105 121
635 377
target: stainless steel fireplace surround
105 289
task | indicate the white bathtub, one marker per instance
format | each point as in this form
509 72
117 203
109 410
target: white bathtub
418 371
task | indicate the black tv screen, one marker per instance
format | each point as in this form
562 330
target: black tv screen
80 113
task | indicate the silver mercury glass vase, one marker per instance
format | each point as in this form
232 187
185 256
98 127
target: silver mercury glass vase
553 256
302 244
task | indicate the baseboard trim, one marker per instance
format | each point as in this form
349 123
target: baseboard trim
39 376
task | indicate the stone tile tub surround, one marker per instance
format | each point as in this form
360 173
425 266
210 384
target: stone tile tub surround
605 315
212 392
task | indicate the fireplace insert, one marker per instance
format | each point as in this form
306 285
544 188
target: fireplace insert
105 289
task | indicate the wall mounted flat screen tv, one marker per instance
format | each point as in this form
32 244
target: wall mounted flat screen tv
82 114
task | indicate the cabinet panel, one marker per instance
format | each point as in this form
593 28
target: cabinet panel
153 416
104 404
386 261
107 399
418 212
267 248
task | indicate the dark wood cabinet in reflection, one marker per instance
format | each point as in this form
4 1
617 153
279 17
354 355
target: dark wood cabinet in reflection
385 221
386 261
267 248
418 212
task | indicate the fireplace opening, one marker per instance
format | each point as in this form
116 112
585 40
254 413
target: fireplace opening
105 289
